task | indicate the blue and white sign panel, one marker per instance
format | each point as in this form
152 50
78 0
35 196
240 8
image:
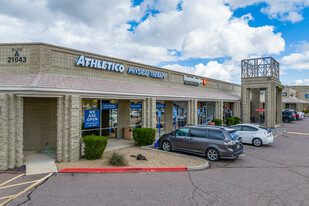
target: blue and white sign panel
160 106
109 106
136 106
92 118
307 96
198 111
159 113
175 113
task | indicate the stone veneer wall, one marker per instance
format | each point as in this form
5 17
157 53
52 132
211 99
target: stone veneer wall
69 128
11 131
149 113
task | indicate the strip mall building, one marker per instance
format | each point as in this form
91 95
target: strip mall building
51 96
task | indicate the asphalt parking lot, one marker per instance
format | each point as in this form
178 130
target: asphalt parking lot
276 174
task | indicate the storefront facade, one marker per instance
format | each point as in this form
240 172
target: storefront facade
50 97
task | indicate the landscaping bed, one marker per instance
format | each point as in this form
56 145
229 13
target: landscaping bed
154 159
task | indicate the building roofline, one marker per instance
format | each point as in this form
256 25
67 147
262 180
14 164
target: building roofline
117 59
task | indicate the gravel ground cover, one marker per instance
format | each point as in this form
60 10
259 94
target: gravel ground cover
154 159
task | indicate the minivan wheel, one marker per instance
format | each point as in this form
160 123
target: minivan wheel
166 146
257 142
212 154
286 120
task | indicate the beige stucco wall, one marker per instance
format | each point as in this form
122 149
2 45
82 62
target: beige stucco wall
40 123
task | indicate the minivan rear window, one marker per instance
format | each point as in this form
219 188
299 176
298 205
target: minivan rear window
215 134
199 133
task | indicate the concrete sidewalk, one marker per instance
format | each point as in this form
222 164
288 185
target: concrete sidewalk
39 163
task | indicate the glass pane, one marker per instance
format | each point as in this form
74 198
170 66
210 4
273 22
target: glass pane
198 133
182 112
136 114
89 106
182 132
213 134
110 133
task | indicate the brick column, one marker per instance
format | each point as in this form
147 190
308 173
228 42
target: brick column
11 131
270 106
149 113
279 106
69 128
245 99
236 109
219 109
192 112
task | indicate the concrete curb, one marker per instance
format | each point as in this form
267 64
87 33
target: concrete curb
123 169
189 168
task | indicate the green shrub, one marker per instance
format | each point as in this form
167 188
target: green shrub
229 121
94 146
306 112
217 122
237 120
144 136
117 160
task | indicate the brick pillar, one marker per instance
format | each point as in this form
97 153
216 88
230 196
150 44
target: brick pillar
219 109
123 116
69 128
270 106
246 102
192 112
236 109
149 113
279 106
11 131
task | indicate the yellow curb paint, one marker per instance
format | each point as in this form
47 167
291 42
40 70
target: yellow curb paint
11 179
34 184
1 198
23 183
298 133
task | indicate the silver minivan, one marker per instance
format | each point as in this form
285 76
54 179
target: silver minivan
214 142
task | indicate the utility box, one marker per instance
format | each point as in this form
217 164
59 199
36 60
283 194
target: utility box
127 133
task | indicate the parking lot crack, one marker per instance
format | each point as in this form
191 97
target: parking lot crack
32 190
210 198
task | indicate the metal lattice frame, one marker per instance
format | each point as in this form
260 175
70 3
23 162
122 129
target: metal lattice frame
260 67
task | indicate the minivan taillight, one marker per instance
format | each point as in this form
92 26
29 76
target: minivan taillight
232 142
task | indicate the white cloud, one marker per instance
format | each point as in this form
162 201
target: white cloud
200 29
297 61
284 10
227 71
300 82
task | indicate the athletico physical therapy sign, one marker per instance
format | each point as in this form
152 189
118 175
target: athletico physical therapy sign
92 118
99 64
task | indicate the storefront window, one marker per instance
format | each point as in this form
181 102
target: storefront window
207 112
100 117
90 117
182 114
136 114
227 111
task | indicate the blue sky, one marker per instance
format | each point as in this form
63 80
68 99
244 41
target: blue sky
202 37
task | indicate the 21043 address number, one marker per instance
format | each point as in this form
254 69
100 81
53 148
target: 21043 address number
16 59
